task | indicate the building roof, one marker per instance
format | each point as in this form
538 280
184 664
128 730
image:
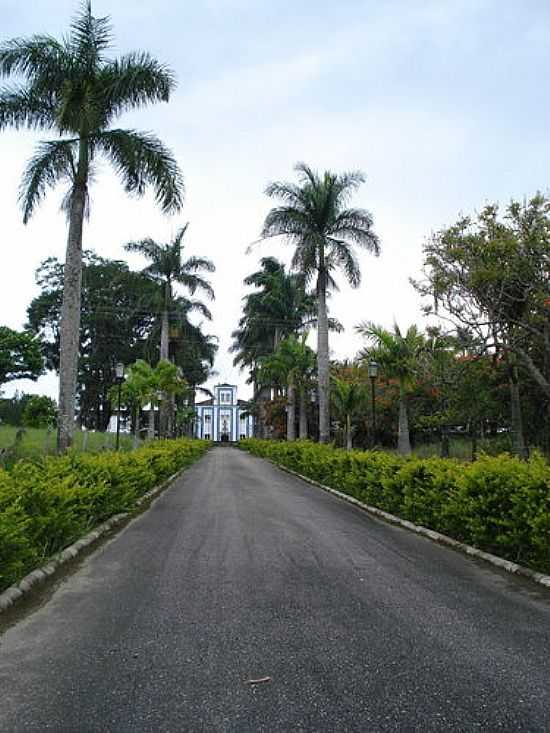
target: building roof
204 403
226 384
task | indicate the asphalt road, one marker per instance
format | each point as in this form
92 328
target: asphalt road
240 571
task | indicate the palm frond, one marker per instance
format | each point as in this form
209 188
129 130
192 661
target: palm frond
341 255
33 57
146 247
90 36
52 162
21 108
135 80
193 264
141 159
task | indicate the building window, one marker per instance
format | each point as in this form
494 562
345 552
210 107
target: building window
225 398
243 436
207 436
207 418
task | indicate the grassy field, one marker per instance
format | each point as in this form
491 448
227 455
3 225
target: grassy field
37 442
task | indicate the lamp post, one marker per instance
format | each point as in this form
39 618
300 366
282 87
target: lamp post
119 375
373 373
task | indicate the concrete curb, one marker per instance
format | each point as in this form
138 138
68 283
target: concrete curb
15 592
499 562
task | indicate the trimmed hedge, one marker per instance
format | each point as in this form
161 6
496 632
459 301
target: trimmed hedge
499 503
46 506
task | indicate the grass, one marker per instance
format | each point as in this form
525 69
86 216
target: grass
461 448
38 442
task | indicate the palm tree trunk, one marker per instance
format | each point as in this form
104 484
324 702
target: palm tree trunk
291 412
151 425
349 441
70 309
165 405
403 440
303 414
519 447
323 361
137 426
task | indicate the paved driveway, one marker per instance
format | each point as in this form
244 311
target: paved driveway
240 572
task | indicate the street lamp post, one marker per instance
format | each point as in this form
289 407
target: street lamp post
119 373
373 373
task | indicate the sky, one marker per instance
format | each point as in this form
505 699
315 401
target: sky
443 105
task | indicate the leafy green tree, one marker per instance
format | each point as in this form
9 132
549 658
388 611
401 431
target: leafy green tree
117 324
349 399
72 88
489 274
40 412
398 354
20 356
314 218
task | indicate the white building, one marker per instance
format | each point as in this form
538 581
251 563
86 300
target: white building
224 417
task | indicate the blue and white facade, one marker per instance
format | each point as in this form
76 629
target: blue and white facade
223 418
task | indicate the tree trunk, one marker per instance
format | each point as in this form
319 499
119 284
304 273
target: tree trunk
445 447
137 427
323 361
291 412
403 439
303 414
70 309
519 447
473 436
349 440
165 405
151 425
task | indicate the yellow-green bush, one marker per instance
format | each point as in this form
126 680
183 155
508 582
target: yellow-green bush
47 505
498 503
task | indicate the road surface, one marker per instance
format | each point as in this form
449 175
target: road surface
240 572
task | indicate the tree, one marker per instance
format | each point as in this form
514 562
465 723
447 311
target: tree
490 275
117 323
144 384
20 356
40 412
168 268
348 399
279 306
398 355
312 216
291 364
72 88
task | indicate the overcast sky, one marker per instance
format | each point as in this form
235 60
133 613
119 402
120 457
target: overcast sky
443 104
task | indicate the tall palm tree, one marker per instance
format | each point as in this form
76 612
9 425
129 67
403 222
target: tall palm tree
398 355
347 400
167 268
313 216
72 88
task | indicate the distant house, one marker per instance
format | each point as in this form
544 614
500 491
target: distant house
223 418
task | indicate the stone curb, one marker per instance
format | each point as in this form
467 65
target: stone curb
499 562
15 592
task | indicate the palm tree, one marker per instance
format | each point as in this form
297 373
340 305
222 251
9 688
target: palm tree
313 217
168 268
292 364
398 355
73 89
347 400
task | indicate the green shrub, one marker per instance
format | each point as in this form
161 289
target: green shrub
498 503
48 504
